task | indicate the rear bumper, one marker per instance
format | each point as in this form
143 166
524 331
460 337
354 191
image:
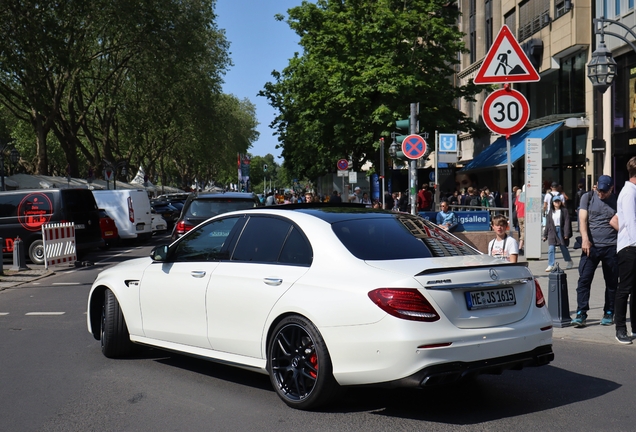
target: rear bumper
452 372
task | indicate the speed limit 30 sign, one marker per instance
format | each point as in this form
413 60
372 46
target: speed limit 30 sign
506 111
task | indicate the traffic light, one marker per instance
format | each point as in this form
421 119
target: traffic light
395 150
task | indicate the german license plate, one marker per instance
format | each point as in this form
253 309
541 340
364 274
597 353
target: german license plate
490 298
108 233
80 226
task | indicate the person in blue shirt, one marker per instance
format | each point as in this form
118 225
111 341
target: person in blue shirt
446 219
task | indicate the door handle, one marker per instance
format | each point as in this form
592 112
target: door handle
197 273
273 281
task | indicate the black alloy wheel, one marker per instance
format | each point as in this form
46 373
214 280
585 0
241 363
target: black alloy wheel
299 364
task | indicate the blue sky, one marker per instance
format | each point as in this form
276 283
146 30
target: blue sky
258 45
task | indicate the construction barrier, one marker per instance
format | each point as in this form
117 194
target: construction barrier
59 243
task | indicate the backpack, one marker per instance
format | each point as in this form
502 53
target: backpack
474 201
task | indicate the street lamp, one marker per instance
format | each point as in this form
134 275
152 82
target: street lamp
14 157
601 70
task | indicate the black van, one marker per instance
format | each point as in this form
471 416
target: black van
23 212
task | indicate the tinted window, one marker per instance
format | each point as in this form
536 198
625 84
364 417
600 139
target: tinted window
262 240
205 243
203 208
296 250
9 205
399 237
78 200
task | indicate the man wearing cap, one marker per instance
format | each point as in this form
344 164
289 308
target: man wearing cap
598 244
357 195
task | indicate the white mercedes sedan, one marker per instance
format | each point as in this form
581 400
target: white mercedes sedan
320 297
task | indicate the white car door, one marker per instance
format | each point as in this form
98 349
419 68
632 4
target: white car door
173 293
270 256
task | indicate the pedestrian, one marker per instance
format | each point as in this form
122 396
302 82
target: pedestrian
335 198
366 200
577 200
446 219
598 244
356 196
503 246
520 207
547 198
424 198
625 223
557 231
403 202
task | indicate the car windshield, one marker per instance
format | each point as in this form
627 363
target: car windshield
201 208
399 237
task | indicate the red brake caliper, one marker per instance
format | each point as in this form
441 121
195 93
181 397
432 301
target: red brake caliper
313 360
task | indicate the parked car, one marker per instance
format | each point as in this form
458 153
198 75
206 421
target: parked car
159 224
23 212
202 206
167 211
110 234
321 297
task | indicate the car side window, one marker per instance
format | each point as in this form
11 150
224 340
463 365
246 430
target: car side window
296 249
206 243
262 240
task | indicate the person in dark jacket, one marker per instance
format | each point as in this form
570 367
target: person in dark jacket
557 231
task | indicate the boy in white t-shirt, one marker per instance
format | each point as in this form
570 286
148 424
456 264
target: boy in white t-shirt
503 246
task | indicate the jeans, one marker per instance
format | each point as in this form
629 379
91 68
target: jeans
626 287
587 267
564 249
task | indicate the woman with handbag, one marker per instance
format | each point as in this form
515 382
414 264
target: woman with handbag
557 231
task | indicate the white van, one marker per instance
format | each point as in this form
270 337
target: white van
130 208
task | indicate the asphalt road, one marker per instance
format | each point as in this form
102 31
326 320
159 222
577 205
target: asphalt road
53 377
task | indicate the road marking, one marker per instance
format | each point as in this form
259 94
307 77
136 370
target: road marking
45 313
4 313
66 283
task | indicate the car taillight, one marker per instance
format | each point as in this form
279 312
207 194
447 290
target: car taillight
183 227
404 303
539 294
131 212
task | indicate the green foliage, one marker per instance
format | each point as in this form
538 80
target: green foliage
363 63
121 80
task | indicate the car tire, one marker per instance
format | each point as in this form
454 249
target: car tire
115 339
299 364
36 252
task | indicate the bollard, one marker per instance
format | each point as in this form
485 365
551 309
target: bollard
19 260
558 303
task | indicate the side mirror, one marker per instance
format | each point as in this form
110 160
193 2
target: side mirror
159 253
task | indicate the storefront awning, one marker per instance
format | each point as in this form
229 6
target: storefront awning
495 154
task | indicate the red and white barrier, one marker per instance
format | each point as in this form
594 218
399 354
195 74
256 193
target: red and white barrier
59 243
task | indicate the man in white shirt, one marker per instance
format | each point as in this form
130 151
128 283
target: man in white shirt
547 199
625 222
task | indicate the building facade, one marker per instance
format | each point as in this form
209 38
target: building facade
556 36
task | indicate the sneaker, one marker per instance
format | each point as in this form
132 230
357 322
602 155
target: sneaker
549 269
621 337
608 319
569 265
580 320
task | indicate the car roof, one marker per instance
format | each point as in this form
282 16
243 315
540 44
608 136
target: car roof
330 213
223 195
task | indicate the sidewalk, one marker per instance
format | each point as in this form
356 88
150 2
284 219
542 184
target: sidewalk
594 332
12 278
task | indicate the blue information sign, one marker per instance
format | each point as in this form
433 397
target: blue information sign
448 143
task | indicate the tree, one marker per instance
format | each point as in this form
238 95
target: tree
363 63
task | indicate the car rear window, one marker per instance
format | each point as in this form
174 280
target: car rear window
202 208
398 237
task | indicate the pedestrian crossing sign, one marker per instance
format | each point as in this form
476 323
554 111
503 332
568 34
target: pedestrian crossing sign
506 62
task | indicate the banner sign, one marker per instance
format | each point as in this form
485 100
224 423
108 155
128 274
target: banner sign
466 220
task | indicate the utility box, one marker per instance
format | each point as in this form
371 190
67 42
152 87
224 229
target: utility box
558 303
